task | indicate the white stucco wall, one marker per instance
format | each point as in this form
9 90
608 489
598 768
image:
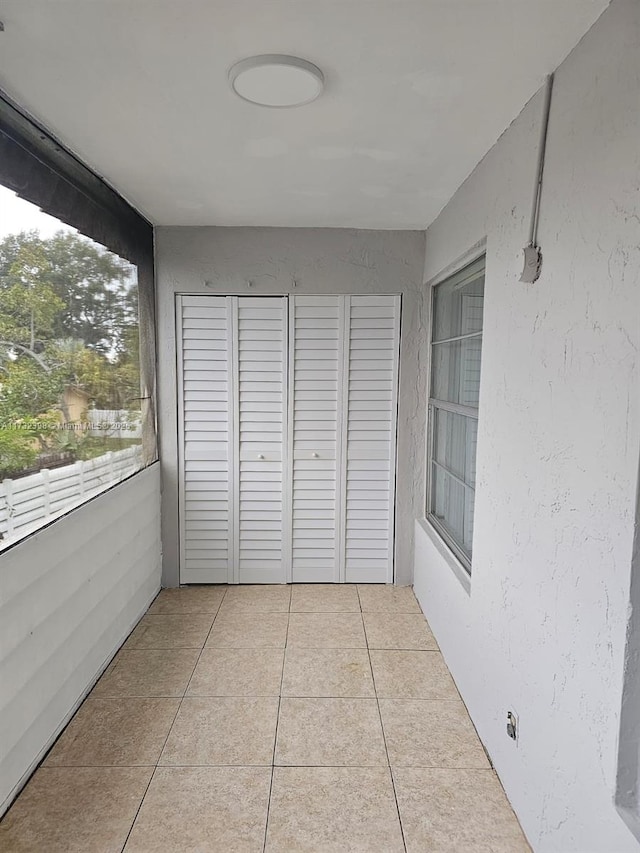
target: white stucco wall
69 596
322 260
543 628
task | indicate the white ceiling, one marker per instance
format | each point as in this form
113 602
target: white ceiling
417 92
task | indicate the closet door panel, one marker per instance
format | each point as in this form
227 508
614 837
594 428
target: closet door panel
271 491
370 438
316 333
261 417
204 344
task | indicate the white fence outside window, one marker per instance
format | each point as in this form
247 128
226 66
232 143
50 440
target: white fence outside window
30 502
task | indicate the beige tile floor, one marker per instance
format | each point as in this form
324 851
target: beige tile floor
312 718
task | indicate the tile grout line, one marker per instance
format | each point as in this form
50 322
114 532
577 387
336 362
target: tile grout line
384 737
155 767
275 738
386 748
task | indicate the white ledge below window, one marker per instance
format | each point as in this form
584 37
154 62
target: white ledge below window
447 554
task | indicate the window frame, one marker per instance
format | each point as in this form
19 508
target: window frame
469 267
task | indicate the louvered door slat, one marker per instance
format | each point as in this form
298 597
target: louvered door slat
370 437
261 364
204 335
316 332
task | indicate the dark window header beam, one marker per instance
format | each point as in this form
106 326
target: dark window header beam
41 170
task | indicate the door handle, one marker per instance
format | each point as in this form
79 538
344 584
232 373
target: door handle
260 455
315 455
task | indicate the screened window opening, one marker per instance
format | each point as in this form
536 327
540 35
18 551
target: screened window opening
456 347
70 388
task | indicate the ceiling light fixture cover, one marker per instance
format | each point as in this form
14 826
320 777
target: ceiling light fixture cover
276 81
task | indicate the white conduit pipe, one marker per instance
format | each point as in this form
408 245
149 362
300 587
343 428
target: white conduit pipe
532 254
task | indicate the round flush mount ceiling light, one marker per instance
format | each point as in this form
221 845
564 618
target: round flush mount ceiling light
276 81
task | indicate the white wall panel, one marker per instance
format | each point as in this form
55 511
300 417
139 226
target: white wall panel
544 629
69 596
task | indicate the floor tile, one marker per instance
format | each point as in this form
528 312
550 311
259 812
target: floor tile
424 733
237 672
330 732
258 598
327 672
147 672
398 631
331 787
446 811
386 598
326 630
188 599
324 598
411 675
115 732
239 731
233 630
203 810
333 810
75 810
187 631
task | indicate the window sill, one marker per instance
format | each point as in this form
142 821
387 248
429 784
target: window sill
447 555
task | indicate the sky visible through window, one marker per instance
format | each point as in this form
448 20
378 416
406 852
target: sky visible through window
17 215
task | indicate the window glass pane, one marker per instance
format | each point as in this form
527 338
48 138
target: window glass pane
458 305
455 371
456 353
454 445
453 507
70 419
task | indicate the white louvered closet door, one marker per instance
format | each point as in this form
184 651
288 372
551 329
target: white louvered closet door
316 324
274 490
204 335
370 435
261 528
343 386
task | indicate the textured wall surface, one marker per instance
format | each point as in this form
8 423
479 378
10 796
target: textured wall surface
318 261
69 596
543 629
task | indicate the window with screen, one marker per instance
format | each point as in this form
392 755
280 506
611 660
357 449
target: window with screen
456 348
77 340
